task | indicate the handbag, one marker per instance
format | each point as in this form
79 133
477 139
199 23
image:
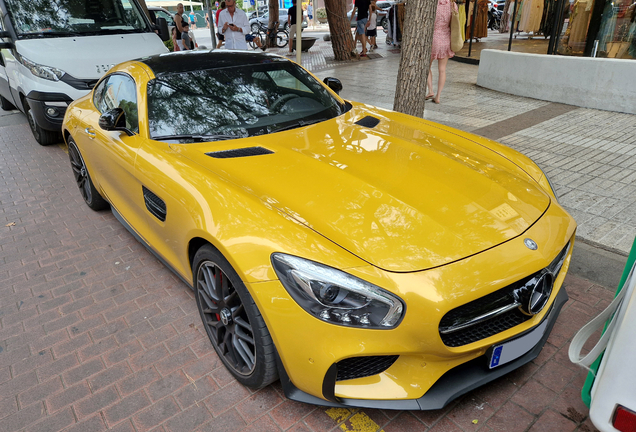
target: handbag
457 42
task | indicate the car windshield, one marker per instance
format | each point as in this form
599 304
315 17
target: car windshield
236 102
59 18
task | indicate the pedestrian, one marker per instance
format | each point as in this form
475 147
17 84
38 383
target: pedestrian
256 39
207 21
193 20
371 26
234 25
219 35
441 50
178 23
310 13
362 7
185 36
291 23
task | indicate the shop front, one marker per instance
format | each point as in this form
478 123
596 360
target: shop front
598 28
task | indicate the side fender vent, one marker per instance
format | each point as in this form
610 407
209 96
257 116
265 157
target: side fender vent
368 122
155 205
242 152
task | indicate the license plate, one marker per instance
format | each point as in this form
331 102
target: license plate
511 350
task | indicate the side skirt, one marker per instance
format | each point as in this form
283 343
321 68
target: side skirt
130 229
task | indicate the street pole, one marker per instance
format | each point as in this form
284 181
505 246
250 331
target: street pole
299 28
512 24
472 26
211 20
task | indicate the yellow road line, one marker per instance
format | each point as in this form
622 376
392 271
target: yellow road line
352 421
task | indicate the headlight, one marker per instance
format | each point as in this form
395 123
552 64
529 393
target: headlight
335 296
46 72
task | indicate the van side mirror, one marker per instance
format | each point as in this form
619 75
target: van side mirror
334 84
114 120
162 28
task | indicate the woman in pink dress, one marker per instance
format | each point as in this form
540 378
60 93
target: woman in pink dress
441 46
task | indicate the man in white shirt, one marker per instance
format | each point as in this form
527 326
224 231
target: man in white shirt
234 25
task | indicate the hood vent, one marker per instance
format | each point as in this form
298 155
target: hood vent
237 153
368 122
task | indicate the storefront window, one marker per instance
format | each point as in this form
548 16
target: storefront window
617 35
576 21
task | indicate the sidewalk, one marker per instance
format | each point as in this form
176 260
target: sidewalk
96 334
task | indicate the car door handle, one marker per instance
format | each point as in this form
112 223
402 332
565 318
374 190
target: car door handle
90 132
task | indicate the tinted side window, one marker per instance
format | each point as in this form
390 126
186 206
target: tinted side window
99 93
121 92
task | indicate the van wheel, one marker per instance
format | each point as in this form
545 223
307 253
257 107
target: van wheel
5 104
42 136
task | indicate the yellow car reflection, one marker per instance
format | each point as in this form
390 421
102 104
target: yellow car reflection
364 257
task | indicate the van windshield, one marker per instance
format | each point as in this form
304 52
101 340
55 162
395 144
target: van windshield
58 18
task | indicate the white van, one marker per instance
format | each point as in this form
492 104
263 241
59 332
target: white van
54 51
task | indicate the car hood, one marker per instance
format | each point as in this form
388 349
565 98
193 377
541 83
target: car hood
90 57
404 195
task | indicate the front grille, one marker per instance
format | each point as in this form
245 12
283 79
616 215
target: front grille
359 367
508 295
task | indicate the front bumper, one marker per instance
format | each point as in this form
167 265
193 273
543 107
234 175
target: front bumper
40 103
454 383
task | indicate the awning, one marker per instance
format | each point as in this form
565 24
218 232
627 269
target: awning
187 4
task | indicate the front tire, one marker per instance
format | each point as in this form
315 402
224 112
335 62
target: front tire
42 136
92 198
232 320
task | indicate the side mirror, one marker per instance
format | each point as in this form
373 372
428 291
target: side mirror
114 120
162 28
334 84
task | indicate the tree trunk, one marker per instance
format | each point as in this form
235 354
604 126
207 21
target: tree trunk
272 27
417 41
340 28
142 3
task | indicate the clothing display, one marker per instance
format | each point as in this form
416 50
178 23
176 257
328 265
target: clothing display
396 22
531 16
442 30
579 24
481 20
504 27
462 18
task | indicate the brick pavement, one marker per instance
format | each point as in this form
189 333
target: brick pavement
95 334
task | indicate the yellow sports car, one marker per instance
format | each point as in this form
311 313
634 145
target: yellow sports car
365 257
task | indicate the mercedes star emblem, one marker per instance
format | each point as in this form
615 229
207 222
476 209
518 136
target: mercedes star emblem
530 244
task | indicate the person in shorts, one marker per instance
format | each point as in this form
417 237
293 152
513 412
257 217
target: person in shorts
371 27
185 36
362 7
256 40
291 21
310 13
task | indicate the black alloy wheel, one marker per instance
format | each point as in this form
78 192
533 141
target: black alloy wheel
232 321
225 318
92 198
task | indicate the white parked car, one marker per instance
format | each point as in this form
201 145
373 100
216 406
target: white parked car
56 55
613 394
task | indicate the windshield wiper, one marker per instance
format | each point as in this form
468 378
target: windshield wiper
196 138
50 34
298 124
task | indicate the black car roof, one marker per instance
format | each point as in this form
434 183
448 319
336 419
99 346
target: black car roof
187 61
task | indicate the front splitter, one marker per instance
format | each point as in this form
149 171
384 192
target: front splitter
454 383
